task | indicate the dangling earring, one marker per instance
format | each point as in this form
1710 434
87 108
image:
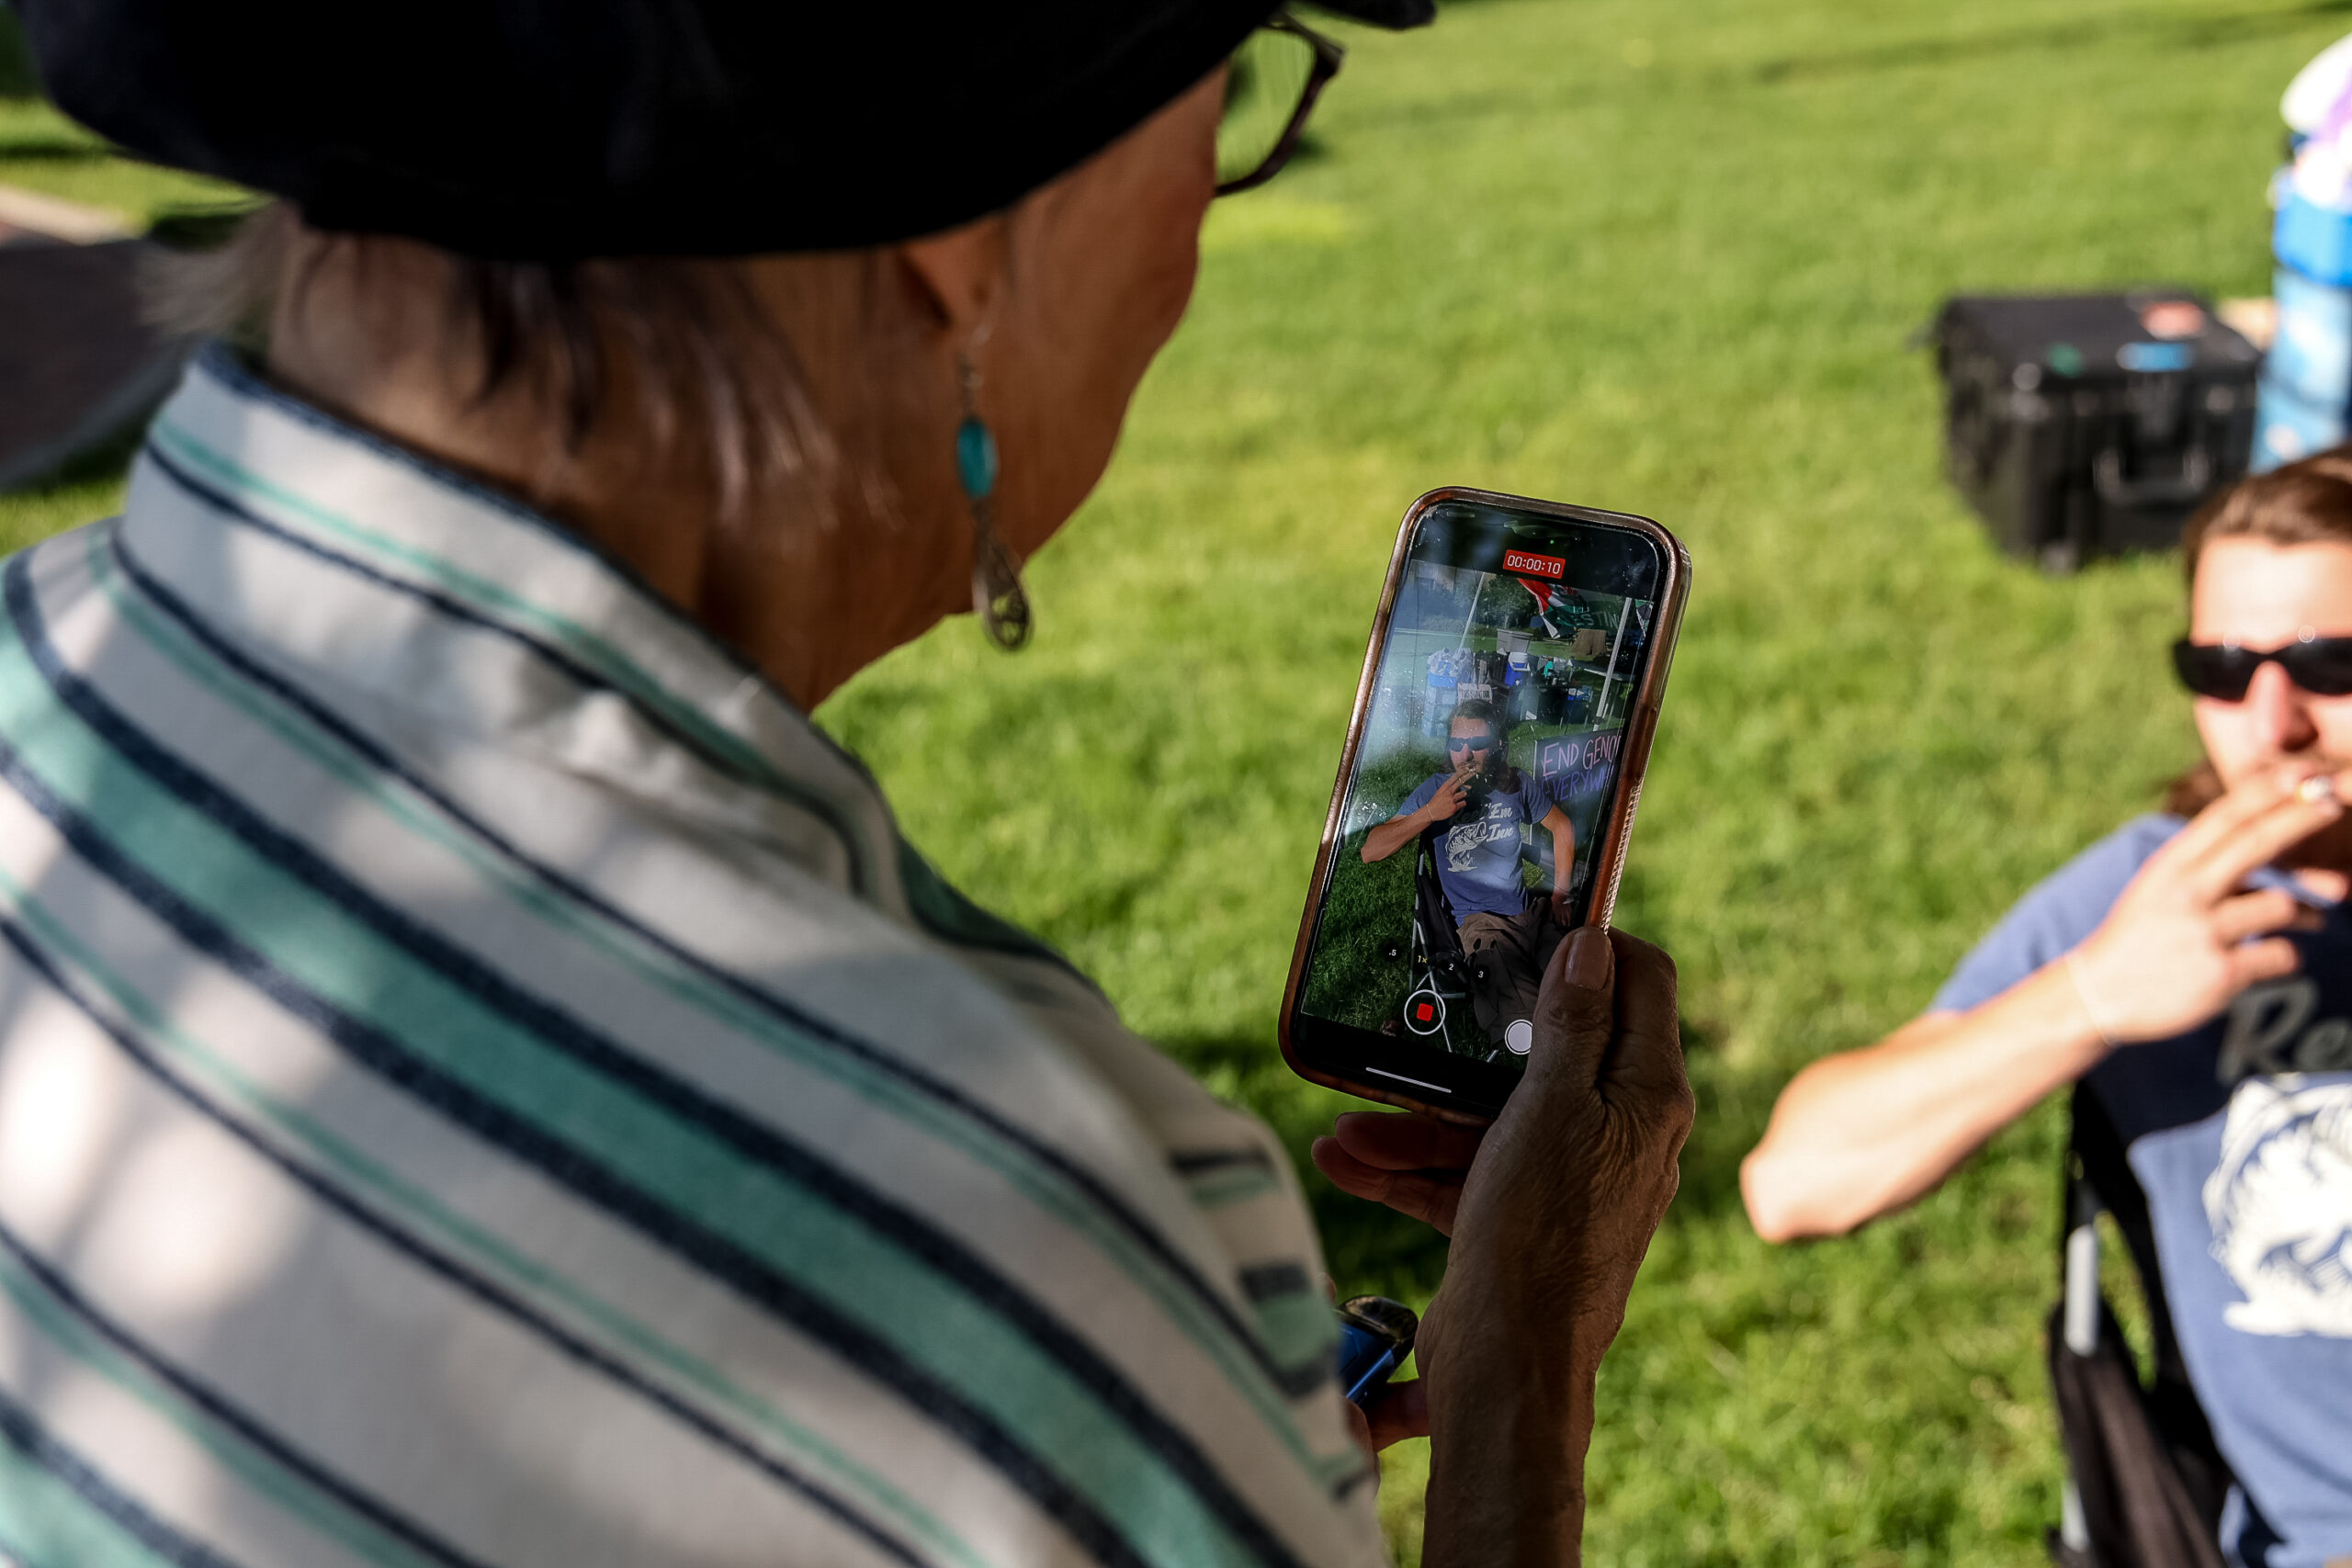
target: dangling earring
998 598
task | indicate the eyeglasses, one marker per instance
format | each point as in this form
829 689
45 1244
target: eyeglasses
1468 743
1271 86
2320 665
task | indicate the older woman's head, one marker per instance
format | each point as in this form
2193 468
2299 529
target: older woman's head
722 286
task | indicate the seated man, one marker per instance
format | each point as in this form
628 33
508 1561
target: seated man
2195 969
1479 807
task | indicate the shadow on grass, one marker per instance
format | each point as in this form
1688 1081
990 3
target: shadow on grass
1369 1248
1733 1105
107 463
54 152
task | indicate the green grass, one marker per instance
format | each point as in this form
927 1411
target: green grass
1370 905
1665 260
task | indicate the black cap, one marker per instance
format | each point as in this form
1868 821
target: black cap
549 129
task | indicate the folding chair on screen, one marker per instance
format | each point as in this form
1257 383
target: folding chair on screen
1437 1003
2145 1482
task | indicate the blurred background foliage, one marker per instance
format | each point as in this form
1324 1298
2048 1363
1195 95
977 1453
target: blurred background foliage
1664 260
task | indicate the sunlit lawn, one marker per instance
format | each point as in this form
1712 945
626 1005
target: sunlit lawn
1662 259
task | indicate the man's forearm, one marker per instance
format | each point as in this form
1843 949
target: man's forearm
1391 836
1859 1135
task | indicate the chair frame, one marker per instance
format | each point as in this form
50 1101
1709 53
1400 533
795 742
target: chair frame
2098 1178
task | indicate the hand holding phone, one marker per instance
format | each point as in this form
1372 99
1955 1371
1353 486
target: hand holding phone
1544 1247
1607 1075
1486 795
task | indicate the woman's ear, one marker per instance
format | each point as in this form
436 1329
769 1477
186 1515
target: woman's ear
963 272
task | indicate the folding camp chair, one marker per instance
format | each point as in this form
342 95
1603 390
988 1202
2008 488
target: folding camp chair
1437 1003
2145 1483
1440 1001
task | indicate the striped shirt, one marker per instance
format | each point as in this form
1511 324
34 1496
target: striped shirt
482 1081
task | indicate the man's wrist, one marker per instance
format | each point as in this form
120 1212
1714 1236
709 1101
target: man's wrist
2087 1000
2085 1031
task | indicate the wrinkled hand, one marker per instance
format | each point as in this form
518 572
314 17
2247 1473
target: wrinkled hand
2180 943
1552 1208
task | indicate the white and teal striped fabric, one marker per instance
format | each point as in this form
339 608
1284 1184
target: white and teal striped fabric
482 1081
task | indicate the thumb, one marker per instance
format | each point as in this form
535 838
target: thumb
1645 1069
1575 1011
1401 1410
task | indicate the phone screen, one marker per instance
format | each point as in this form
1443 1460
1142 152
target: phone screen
1485 781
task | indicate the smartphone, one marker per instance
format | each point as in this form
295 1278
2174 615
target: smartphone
1375 1335
1485 795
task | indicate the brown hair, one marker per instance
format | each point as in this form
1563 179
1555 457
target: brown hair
2307 502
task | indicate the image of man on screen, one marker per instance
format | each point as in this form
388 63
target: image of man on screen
1474 813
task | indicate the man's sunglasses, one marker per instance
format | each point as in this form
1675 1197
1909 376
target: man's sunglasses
1271 86
2320 665
1468 743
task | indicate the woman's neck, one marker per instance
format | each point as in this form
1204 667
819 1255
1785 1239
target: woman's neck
808 601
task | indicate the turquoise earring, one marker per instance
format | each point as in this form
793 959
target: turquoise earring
998 598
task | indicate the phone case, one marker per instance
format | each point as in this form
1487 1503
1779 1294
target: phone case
1641 730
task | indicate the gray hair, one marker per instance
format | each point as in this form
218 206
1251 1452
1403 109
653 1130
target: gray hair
686 335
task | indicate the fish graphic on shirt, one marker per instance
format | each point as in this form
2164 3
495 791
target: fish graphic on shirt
2280 1205
1464 841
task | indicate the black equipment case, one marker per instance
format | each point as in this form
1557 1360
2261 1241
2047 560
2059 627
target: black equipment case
2084 425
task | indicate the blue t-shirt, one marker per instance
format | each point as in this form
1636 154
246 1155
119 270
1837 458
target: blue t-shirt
1477 851
2241 1133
